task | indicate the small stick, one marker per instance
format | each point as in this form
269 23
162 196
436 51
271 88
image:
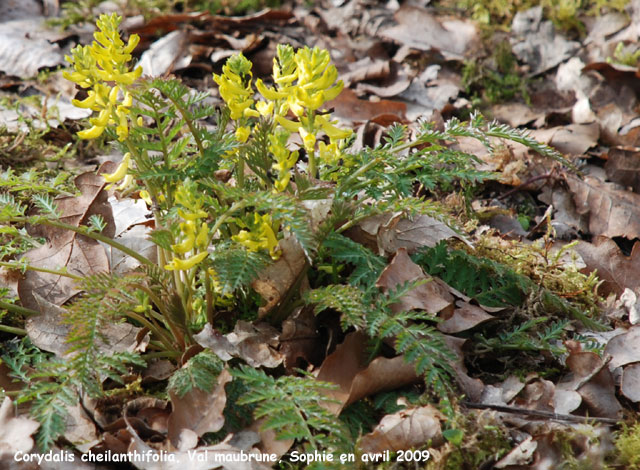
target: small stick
538 413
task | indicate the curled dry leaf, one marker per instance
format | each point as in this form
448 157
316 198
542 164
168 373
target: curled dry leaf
253 343
347 368
167 54
275 281
616 270
225 455
404 430
630 386
431 296
464 317
625 348
196 413
65 249
519 455
613 212
15 432
595 384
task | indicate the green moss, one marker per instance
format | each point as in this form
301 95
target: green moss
628 447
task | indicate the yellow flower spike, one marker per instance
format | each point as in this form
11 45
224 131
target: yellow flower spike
184 265
120 172
202 239
242 134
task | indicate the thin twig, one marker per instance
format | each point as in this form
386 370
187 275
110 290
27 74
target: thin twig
539 413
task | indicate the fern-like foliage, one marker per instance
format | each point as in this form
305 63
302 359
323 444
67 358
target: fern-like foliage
236 267
367 266
201 371
292 407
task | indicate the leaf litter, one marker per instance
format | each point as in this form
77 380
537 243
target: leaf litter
587 113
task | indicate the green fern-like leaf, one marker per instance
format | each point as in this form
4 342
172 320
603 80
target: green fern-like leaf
201 371
347 300
367 265
236 267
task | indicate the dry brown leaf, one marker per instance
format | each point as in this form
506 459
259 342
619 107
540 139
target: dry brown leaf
167 54
254 344
574 139
613 212
418 28
225 455
537 395
625 348
595 384
348 107
196 413
630 386
48 332
616 270
431 296
464 317
80 255
412 234
275 281
520 455
404 430
300 342
347 368
623 167
536 42
15 432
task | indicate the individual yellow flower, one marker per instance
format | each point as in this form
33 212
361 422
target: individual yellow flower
120 172
308 139
261 237
178 264
330 129
242 134
104 67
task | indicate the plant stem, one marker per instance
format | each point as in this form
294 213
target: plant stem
89 234
18 309
12 330
28 267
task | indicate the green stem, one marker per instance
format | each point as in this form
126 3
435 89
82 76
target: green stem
28 267
12 330
89 234
18 309
152 328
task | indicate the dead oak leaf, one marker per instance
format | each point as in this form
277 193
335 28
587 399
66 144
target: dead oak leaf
613 212
347 368
617 271
65 249
196 413
404 430
431 296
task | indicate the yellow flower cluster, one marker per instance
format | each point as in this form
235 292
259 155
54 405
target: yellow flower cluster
194 235
235 85
285 159
261 236
103 67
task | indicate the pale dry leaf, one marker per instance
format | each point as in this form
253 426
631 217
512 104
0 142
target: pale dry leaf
197 412
630 385
420 29
519 455
625 348
167 54
48 331
404 430
15 431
